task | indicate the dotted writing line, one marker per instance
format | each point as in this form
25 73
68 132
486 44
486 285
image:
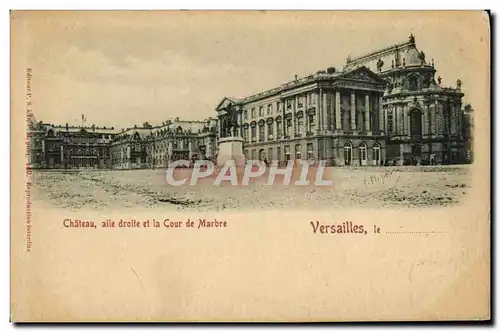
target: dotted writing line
418 233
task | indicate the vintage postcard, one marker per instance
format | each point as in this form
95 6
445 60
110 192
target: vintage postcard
250 166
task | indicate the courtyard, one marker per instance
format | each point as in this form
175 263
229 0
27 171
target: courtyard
360 187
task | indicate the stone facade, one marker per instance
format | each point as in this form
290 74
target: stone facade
382 108
53 146
57 146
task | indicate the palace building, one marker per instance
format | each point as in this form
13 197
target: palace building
384 107
57 146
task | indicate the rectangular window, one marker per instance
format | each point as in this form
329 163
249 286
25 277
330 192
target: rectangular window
269 109
253 113
288 126
270 130
310 152
311 123
261 111
245 134
288 104
261 132
278 129
298 153
300 125
301 101
254 134
245 114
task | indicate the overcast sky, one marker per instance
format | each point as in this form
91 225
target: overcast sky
121 69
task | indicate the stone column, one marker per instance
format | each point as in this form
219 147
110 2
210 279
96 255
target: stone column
190 147
395 120
437 110
454 118
338 119
381 117
219 121
386 116
433 120
306 121
367 114
407 120
266 133
403 119
424 122
240 124
62 155
257 131
353 110
318 111
429 119
325 111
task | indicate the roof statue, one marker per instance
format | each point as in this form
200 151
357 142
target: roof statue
421 56
380 63
412 39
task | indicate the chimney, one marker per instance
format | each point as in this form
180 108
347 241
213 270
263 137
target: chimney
296 77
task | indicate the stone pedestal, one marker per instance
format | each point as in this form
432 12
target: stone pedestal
231 148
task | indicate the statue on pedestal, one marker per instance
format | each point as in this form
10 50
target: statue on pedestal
230 121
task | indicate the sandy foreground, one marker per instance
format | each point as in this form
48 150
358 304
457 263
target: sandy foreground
351 187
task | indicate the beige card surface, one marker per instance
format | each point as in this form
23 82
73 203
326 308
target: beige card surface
290 166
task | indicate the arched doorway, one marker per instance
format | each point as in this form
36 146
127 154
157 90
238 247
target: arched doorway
362 154
347 154
376 154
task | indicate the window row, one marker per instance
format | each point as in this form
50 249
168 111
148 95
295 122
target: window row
302 100
362 153
301 127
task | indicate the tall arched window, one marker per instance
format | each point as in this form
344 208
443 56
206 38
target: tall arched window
416 123
362 154
347 154
376 154
413 83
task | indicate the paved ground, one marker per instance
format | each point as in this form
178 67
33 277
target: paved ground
352 187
